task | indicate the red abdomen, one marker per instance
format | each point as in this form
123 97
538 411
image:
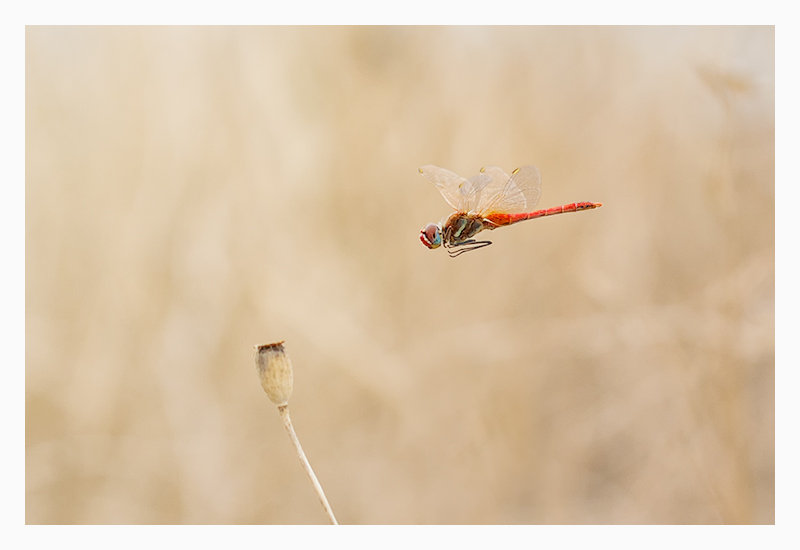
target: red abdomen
499 219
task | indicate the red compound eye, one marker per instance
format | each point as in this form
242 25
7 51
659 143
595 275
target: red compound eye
431 236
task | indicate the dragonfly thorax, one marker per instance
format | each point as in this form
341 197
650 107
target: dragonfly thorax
461 227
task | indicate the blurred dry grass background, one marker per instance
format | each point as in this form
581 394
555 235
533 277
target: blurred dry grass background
192 192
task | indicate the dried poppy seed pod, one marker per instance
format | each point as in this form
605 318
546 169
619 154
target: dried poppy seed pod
275 371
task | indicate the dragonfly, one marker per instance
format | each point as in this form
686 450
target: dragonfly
489 200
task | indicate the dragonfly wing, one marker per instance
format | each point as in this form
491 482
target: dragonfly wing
519 193
460 193
498 181
474 189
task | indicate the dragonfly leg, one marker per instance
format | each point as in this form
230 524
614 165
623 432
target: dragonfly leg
467 246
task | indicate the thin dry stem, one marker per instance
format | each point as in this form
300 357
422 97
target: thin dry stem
287 423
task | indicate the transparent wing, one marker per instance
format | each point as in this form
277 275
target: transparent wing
460 193
493 188
510 195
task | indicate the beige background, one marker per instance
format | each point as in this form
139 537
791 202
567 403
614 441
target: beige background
192 192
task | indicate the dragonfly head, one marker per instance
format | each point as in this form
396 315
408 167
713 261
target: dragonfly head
431 236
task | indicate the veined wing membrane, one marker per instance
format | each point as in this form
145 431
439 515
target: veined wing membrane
519 193
460 193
